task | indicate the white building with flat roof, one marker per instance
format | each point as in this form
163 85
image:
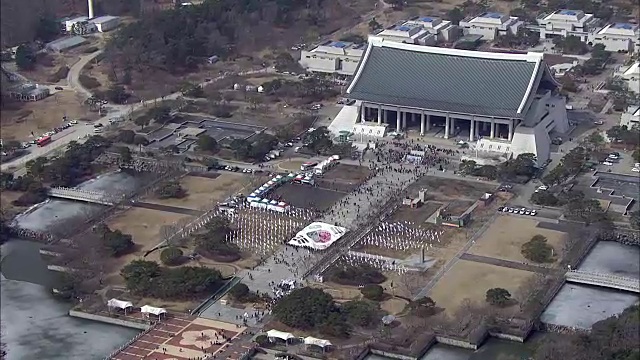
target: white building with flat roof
563 23
617 37
333 57
630 74
105 23
423 30
631 117
491 25
68 24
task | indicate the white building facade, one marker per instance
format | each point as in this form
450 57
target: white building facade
631 117
333 57
491 25
105 23
563 23
68 24
618 37
506 104
424 30
630 74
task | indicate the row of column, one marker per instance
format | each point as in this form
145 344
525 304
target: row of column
425 123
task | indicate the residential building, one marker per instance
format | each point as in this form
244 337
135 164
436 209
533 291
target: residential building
491 25
508 104
424 30
563 23
631 117
618 37
630 74
105 23
333 57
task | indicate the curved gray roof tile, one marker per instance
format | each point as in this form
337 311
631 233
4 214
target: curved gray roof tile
444 82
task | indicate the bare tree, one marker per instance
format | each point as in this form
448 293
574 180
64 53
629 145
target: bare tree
167 233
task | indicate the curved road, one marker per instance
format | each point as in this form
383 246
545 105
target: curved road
82 131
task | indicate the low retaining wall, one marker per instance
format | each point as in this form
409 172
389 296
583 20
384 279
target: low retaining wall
390 355
461 343
126 345
562 329
510 337
109 320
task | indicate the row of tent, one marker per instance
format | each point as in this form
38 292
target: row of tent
309 340
256 199
273 205
146 309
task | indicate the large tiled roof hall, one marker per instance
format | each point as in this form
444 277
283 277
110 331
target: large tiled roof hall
182 338
447 80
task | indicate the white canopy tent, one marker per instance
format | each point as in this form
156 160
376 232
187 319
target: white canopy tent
280 335
152 310
120 304
310 340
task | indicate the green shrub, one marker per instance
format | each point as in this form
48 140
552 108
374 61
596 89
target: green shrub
372 292
89 82
239 291
171 256
537 250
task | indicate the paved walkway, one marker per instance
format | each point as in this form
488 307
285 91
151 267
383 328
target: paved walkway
425 291
504 263
167 208
183 338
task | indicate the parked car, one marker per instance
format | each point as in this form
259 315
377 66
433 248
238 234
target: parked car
599 122
635 169
500 208
98 125
608 163
534 212
73 122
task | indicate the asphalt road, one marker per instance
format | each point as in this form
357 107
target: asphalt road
81 132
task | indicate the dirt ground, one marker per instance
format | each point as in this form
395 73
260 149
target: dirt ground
8 209
348 173
225 269
504 238
309 197
17 123
204 192
340 292
415 215
144 226
471 280
394 305
446 189
291 165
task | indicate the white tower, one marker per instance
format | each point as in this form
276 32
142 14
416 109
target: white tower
90 3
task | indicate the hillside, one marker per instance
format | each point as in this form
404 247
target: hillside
177 40
18 18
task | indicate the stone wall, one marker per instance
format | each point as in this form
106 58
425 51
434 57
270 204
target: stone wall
626 237
109 320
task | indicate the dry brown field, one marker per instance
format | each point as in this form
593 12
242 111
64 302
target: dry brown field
504 238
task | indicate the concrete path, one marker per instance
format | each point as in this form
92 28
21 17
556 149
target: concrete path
425 291
167 208
504 263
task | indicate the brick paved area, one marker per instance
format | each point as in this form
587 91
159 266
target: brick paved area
182 338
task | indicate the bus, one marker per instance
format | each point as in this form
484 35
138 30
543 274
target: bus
43 141
308 165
